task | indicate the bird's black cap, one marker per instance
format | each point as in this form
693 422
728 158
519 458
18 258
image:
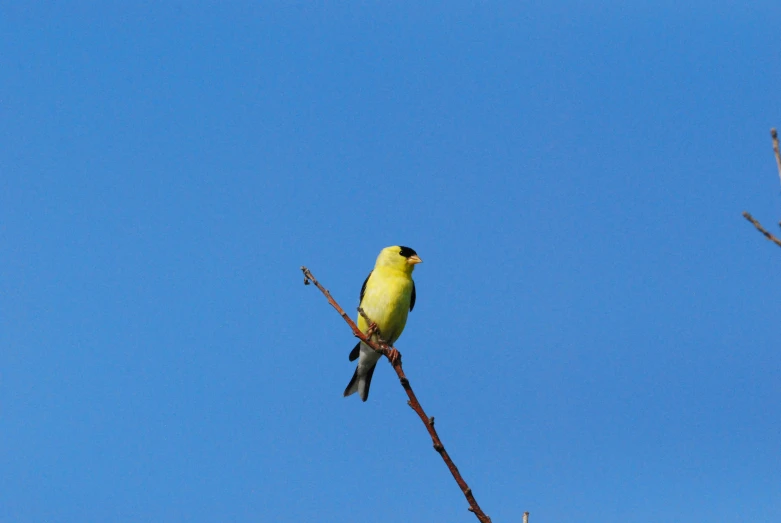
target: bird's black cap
407 252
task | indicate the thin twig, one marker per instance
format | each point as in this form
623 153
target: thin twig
774 136
386 350
761 229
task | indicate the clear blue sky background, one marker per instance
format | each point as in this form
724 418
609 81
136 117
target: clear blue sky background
596 329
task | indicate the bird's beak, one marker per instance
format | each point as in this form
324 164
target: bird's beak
412 260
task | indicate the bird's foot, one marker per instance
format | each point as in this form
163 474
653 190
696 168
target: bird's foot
373 330
394 356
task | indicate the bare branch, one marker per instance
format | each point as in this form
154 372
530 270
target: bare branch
761 229
395 359
774 136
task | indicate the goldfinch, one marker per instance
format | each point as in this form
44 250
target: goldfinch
387 295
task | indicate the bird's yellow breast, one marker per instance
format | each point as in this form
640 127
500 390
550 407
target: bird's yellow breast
386 301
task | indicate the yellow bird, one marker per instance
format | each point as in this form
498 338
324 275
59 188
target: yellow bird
387 295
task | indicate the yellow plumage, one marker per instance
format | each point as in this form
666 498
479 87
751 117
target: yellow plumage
387 296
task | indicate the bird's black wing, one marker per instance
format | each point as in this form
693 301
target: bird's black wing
412 299
355 352
363 287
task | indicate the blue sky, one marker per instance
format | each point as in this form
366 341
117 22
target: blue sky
595 329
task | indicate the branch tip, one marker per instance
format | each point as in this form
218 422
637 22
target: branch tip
306 276
761 229
776 151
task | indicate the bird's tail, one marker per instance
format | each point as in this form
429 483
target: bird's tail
360 382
